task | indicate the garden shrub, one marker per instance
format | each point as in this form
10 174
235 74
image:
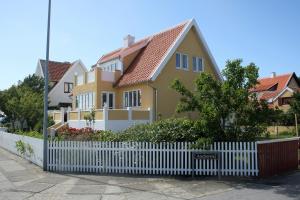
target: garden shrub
34 134
168 130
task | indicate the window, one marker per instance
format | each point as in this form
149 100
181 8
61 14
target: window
132 98
194 64
182 61
68 87
108 99
285 100
85 101
200 65
178 64
197 64
113 67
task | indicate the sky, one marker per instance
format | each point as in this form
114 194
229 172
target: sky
264 32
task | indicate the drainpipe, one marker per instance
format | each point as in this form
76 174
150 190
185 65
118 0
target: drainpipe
155 93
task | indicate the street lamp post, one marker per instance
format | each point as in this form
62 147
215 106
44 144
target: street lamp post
45 121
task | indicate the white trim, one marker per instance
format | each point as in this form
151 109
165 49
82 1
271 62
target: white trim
197 64
107 96
137 100
285 89
181 61
41 68
176 44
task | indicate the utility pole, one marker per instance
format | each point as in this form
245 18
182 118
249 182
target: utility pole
296 122
45 122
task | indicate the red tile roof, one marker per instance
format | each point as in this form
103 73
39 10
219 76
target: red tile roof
119 53
152 50
277 83
267 83
56 70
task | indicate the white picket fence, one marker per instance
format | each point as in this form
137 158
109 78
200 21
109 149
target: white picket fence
237 158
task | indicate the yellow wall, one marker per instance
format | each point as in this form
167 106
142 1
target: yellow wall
73 115
146 95
140 115
167 97
284 108
98 114
117 115
293 84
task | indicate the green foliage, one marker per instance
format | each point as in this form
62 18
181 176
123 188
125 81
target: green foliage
24 103
34 134
21 148
90 117
295 104
50 121
169 130
24 148
227 110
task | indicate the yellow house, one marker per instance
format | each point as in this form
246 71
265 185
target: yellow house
132 83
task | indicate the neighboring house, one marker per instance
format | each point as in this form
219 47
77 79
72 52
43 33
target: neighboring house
277 90
138 75
61 80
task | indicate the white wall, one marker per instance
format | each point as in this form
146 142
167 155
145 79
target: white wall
99 124
109 63
38 70
119 125
113 125
57 94
8 142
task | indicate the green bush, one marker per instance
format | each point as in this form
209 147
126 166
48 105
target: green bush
169 130
34 134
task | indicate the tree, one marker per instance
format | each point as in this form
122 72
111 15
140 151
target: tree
295 104
227 110
24 103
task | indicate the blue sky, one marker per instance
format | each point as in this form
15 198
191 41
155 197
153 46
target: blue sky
263 32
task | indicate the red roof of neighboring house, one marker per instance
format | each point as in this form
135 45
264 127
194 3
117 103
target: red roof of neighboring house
268 88
56 70
266 83
152 51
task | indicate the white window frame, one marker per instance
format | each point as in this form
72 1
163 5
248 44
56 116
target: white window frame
181 61
177 53
107 98
137 98
187 62
197 64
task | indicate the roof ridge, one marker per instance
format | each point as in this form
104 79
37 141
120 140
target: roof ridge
149 37
54 61
280 75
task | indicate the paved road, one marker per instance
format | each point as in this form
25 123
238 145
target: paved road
22 180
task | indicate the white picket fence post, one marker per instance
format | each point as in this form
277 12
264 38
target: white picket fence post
237 158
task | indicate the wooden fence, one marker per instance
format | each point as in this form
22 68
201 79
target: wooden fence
237 158
277 156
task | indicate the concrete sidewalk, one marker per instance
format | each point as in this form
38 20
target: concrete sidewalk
21 180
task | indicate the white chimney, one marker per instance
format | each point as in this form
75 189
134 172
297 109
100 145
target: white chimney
128 41
273 74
